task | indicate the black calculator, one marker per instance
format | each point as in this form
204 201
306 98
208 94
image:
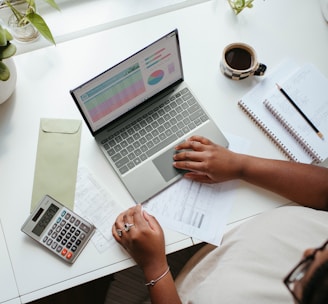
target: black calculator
59 229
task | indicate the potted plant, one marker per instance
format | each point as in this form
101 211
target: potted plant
239 5
28 17
7 66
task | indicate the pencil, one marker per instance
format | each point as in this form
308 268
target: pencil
300 111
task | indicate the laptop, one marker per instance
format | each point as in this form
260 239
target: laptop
139 110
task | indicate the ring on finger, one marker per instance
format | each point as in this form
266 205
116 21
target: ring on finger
128 226
119 232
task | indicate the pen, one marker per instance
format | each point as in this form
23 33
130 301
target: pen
300 111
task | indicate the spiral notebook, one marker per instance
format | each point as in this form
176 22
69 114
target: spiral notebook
308 88
272 112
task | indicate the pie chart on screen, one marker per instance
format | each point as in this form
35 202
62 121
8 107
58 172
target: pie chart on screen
155 77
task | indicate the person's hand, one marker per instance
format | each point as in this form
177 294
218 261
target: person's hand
206 161
144 241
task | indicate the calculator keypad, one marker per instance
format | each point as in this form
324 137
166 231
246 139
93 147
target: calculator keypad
66 234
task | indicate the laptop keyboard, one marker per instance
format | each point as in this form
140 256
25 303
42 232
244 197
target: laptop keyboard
154 131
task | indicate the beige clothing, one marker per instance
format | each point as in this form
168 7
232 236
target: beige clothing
253 259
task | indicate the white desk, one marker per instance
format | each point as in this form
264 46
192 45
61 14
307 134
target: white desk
276 29
10 293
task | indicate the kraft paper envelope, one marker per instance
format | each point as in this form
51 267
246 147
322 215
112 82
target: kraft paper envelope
57 160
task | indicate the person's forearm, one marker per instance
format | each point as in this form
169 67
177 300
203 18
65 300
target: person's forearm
163 291
146 245
304 184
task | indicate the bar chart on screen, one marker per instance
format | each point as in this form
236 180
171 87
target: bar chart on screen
115 93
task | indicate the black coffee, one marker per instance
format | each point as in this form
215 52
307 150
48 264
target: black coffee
238 59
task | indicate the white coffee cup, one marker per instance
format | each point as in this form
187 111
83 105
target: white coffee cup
239 61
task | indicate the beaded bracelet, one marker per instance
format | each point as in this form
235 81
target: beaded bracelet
153 282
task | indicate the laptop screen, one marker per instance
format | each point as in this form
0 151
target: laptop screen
129 83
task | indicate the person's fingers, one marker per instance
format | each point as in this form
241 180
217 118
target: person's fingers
123 221
128 215
194 142
188 155
139 220
190 145
118 222
151 220
117 233
129 223
117 229
146 215
191 150
199 177
201 139
190 165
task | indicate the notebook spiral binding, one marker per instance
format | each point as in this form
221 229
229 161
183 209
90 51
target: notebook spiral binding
268 133
294 133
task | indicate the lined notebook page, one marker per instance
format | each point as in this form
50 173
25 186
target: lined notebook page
308 88
252 104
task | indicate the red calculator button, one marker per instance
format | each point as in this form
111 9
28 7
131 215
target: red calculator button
69 255
64 251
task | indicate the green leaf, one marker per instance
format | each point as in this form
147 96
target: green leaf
249 3
16 12
4 72
53 4
240 4
8 51
31 3
8 35
3 38
41 26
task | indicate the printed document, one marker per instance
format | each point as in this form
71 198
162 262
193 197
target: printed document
197 210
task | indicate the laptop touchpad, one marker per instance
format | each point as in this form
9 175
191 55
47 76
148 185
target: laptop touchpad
164 164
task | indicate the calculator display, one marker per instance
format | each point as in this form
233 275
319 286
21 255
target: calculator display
45 220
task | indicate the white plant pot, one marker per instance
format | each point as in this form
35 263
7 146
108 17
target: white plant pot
8 87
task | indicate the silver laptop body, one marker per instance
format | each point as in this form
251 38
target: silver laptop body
139 110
